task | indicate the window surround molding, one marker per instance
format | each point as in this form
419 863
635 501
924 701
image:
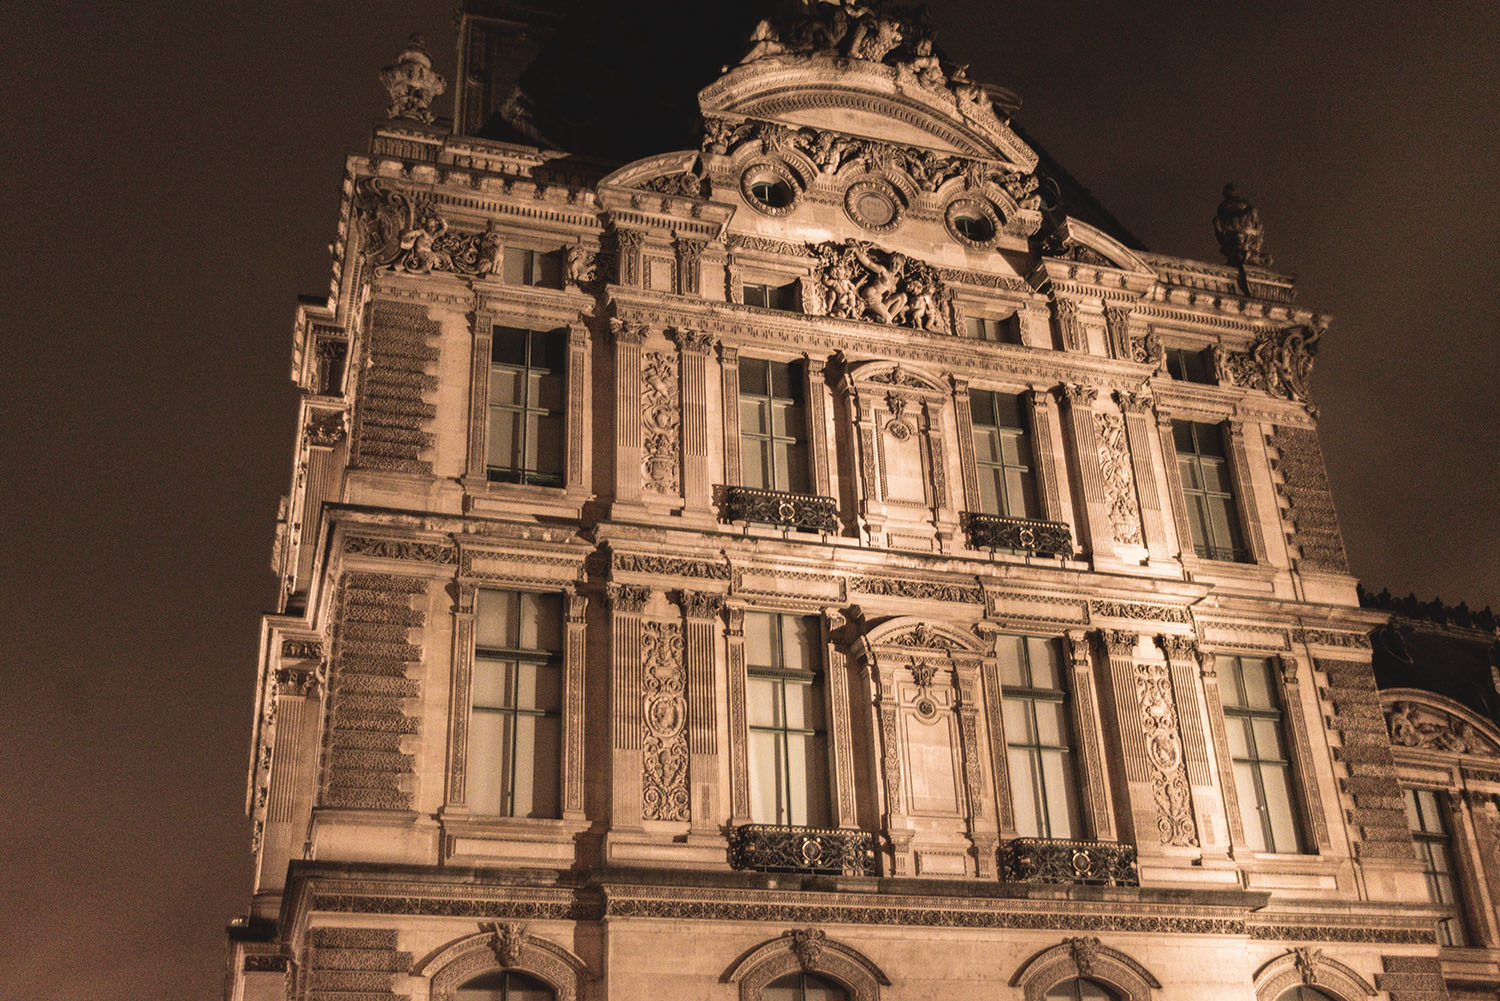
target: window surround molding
1089 958
524 312
815 409
504 947
807 950
1305 966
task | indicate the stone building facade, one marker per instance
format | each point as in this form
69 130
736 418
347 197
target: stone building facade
833 561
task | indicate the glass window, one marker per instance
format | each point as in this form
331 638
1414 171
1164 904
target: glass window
773 426
1257 748
783 297
1038 737
788 740
1002 453
527 388
988 328
1078 990
1213 519
507 986
1435 851
532 267
1190 366
802 987
515 729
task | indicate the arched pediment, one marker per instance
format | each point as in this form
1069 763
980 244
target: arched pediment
885 376
504 946
1089 958
810 950
1077 241
912 632
1422 719
645 172
864 98
1311 968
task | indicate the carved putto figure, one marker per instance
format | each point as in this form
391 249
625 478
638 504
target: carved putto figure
408 233
1239 231
411 83
857 281
1438 732
1279 362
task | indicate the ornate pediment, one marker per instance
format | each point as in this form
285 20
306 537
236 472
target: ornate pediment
1424 720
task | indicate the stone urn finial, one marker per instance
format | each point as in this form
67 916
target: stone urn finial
1238 228
412 83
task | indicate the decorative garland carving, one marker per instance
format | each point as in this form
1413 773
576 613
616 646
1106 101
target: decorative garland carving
406 233
854 280
1119 480
1330 637
401 549
1138 610
661 421
670 565
1174 800
664 752
905 588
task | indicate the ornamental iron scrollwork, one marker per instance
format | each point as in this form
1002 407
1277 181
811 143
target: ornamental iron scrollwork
1067 860
771 848
1027 535
804 512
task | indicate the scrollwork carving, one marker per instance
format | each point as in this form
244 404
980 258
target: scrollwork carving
1119 480
405 232
412 83
661 421
1174 801
664 752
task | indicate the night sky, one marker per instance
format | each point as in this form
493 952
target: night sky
172 180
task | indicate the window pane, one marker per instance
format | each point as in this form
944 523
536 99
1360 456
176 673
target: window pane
1182 437
1278 786
1024 779
758 637
1008 650
802 637
1051 723
1008 411
794 475
516 266
548 270
506 386
504 447
1057 781
492 682
546 452
547 391
1221 533
1268 746
784 381
764 695
508 346
765 772
1214 475
754 417
1244 786
989 490
487 749
1427 800
495 619
755 462
1017 713
1210 439
1258 682
753 377
1238 732
799 763
1046 662
1187 468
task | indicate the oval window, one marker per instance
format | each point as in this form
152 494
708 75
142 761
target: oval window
771 191
973 227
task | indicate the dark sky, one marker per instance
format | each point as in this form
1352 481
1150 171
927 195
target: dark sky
172 180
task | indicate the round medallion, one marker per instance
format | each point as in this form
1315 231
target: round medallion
972 223
873 204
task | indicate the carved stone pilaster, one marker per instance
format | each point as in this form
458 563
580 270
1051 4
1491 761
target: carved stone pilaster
630 269
739 756
1290 671
1119 646
1138 420
629 434
627 602
1090 505
576 606
1084 707
664 712
1117 322
1245 491
837 675
1043 422
1069 330
1158 721
817 424
1214 710
702 609
729 364
1180 531
661 424
689 264
460 697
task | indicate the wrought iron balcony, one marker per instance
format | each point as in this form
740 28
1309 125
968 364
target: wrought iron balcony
1027 535
804 512
1061 860
768 848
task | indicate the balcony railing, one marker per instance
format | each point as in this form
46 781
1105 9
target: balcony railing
1222 554
1027 535
1060 860
804 512
768 848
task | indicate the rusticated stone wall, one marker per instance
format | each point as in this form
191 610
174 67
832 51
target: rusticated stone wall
1377 816
353 964
1308 518
370 693
1412 978
393 412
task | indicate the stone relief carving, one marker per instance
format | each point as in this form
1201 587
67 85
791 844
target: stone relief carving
1119 480
580 266
1238 228
1084 952
1280 362
401 549
405 232
1174 811
661 419
1420 726
807 946
897 588
664 751
1138 610
1149 350
412 84
629 599
507 940
856 281
327 428
689 184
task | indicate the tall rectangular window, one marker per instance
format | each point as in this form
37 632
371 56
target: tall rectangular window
515 727
1435 851
1002 452
1038 741
773 426
527 389
1190 365
1257 747
1207 492
788 739
784 297
532 267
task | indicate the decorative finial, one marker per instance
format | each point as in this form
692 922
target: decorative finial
412 83
1241 236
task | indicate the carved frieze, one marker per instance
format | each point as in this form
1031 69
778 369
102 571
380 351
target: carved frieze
1413 725
855 280
906 588
326 428
664 752
1119 480
401 549
661 420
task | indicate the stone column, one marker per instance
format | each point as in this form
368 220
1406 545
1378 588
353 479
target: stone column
1069 330
1005 809
1089 505
576 606
1180 530
729 363
627 602
627 338
814 386
963 415
479 402
845 807
630 269
1214 705
1137 408
1295 726
1083 704
580 468
294 721
697 491
1182 663
459 699
739 734
689 265
702 613
981 824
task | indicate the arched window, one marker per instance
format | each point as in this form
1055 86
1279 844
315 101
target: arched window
803 987
1304 994
1078 989
504 986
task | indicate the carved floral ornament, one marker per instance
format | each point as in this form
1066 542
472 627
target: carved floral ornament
807 950
504 945
1309 967
1279 362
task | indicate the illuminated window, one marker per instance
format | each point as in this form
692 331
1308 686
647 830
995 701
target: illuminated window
1039 746
1257 746
1435 850
773 426
527 388
802 987
533 267
1078 990
784 297
1002 453
788 739
1213 519
507 986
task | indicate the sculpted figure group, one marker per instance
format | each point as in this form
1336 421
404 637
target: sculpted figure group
857 281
